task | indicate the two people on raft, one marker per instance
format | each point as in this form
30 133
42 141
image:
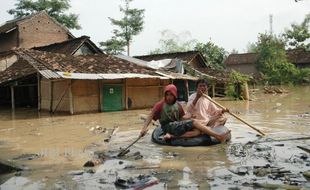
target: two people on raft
202 115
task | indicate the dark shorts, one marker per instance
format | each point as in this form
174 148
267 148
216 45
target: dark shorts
178 128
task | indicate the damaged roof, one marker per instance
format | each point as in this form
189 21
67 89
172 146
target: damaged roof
81 64
17 70
71 46
55 65
184 56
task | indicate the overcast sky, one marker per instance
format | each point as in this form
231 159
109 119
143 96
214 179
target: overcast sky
228 23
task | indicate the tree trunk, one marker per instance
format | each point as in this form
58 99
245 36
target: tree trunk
128 49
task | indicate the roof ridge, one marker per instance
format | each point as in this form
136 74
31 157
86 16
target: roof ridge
179 52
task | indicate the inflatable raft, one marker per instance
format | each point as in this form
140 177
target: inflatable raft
203 140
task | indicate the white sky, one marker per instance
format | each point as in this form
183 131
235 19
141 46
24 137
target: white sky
228 23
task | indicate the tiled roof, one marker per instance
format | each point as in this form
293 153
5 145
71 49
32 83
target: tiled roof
32 61
222 76
245 58
296 56
70 46
82 64
18 70
185 56
11 24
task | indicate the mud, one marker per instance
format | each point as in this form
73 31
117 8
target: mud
55 148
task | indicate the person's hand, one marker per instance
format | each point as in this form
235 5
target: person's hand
143 132
199 94
225 110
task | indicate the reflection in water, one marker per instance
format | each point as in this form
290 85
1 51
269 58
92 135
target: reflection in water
65 142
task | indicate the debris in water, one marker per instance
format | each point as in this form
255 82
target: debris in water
139 182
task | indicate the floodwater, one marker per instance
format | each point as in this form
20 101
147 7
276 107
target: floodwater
61 144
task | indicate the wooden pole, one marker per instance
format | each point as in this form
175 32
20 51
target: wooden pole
126 94
39 92
219 105
51 96
71 98
12 98
246 94
213 89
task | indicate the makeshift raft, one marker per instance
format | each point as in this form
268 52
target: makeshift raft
203 140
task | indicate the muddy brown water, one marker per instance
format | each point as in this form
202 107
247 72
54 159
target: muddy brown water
64 143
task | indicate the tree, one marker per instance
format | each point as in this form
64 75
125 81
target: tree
54 8
251 47
214 54
272 61
298 35
130 25
171 42
113 46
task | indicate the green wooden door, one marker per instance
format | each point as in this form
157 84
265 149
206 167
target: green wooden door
112 98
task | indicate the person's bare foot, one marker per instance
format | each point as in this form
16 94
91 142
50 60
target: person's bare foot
168 136
224 137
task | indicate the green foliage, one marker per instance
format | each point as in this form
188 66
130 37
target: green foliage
171 42
214 54
236 77
251 47
272 61
298 35
54 8
130 25
113 46
230 90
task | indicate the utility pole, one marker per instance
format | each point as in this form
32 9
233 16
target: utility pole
270 24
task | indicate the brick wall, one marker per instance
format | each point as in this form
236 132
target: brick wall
40 30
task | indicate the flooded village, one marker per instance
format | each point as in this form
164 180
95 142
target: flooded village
71 116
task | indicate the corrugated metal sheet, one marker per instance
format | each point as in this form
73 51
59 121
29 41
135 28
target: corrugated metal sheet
133 60
49 74
105 76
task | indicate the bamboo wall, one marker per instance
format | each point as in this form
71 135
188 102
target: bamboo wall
85 95
144 93
55 94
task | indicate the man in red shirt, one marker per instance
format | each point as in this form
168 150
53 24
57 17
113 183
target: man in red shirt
173 121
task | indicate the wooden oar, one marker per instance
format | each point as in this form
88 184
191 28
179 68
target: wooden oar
125 151
219 105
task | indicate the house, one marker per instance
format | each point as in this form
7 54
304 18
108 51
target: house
299 57
245 63
171 68
38 29
196 65
76 46
76 84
